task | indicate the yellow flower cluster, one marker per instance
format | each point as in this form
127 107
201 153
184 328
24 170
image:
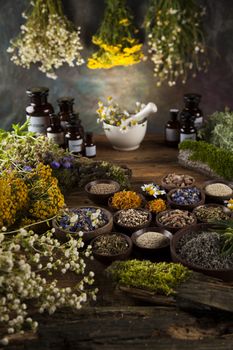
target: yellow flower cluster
13 198
29 196
126 200
46 197
115 55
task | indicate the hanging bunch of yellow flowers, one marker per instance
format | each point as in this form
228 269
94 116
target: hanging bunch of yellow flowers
116 39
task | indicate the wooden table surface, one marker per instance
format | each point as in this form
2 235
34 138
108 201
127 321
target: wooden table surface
116 321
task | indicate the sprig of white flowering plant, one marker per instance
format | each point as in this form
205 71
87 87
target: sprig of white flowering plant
47 38
27 264
175 39
112 114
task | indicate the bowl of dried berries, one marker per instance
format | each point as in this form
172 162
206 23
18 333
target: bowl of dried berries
185 198
212 212
152 243
99 191
110 247
217 191
130 220
175 219
206 248
173 180
87 222
126 200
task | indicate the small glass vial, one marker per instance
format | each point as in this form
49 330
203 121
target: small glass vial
192 109
55 131
90 147
73 139
172 129
39 110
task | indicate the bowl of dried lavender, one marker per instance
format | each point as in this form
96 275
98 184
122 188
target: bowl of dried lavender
206 248
99 191
110 247
131 220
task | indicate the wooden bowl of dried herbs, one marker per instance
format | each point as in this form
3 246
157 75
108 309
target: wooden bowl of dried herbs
217 191
206 248
212 212
152 243
131 220
110 247
99 191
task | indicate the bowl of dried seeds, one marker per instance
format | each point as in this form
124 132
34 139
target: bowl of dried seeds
99 191
200 248
110 247
152 242
217 191
131 220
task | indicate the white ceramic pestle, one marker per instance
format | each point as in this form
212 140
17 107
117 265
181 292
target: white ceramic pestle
143 114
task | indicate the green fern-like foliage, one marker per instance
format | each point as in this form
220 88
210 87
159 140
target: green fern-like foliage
218 129
219 160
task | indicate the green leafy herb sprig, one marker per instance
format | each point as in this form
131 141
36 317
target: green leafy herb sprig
161 278
225 229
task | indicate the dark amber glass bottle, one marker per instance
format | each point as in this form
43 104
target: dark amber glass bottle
55 131
38 110
172 129
67 114
73 139
90 147
191 109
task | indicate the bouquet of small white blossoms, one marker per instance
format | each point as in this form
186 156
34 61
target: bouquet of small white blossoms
112 114
28 262
47 38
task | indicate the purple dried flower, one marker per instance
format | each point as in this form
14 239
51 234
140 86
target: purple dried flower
55 165
27 168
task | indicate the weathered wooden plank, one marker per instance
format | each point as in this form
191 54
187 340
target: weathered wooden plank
157 328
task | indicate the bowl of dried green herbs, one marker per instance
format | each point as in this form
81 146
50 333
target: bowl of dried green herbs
110 247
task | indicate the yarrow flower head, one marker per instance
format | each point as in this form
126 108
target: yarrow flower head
47 38
175 40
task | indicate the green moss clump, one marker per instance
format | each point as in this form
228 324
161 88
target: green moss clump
218 159
161 277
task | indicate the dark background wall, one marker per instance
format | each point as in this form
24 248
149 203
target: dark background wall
126 84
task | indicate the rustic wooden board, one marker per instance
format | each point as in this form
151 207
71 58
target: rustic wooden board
120 328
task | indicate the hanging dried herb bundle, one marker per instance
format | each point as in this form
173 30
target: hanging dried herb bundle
116 38
175 39
47 38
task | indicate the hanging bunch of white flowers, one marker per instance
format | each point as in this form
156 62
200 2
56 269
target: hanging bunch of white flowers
47 38
175 39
